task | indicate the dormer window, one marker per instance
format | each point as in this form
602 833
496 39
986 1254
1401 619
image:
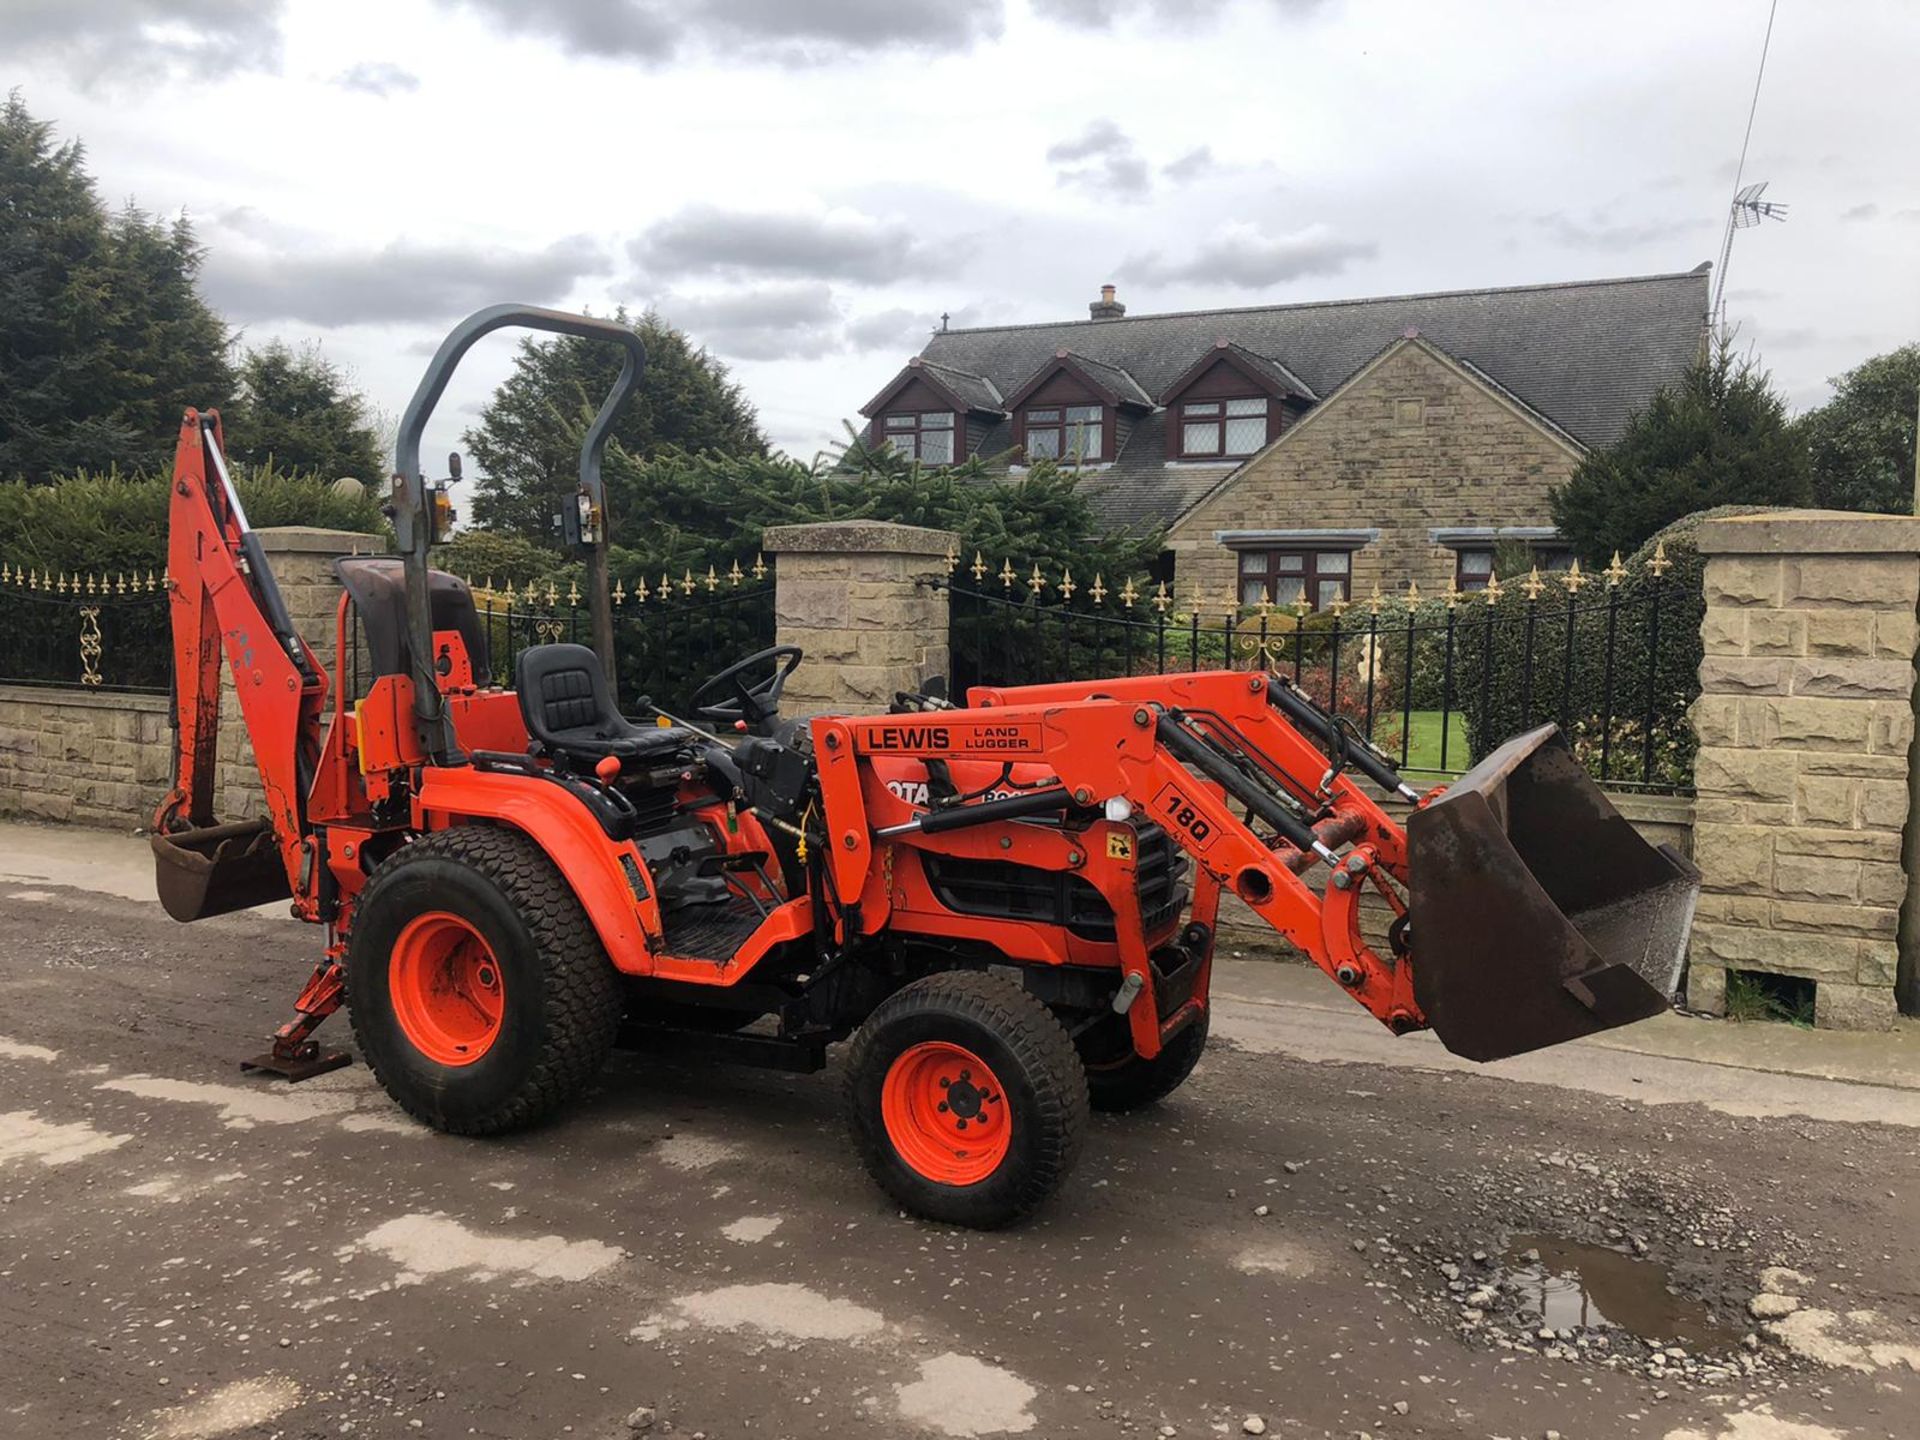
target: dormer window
1222 428
926 435
1069 432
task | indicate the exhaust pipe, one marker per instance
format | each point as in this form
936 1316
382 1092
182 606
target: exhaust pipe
1538 913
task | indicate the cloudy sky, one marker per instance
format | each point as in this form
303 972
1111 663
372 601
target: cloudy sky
805 185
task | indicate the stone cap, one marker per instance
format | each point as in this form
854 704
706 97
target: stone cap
1811 532
858 537
318 540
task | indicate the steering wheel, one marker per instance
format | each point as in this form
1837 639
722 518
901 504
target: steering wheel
752 702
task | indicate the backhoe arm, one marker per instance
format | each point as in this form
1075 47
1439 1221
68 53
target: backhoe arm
223 598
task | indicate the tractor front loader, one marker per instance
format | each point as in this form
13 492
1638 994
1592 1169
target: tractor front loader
1009 907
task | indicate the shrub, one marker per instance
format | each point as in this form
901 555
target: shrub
110 522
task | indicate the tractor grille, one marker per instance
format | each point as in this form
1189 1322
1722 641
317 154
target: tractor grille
1160 872
1003 890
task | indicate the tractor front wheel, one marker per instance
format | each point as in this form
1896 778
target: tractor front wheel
1119 1080
967 1101
479 993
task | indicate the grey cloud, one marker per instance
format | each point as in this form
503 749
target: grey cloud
401 282
889 330
1193 165
1595 233
100 42
1101 158
784 31
1242 254
789 321
1860 212
706 240
377 77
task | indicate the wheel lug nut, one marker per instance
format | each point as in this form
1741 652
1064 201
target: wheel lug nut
943 1107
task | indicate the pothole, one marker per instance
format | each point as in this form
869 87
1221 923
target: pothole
1563 1285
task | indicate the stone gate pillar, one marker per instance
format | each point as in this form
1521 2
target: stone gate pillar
1805 719
854 594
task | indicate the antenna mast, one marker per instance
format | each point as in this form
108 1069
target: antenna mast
1747 208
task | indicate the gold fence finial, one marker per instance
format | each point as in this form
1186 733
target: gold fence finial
1616 572
1533 584
1036 582
979 567
1161 599
1067 587
759 565
1572 578
1492 588
1128 594
952 557
1413 592
619 592
1098 591
1657 566
735 575
1007 577
713 580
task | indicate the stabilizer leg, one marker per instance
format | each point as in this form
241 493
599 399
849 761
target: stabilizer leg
296 1055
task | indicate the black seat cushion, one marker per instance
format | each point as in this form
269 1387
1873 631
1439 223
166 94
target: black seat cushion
569 713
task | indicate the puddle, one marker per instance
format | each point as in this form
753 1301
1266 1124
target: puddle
1562 1285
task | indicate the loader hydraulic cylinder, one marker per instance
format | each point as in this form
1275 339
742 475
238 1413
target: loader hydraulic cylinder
1361 755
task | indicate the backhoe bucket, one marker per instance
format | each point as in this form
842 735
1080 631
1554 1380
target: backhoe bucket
218 869
1538 914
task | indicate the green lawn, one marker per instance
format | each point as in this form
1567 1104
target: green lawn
1423 748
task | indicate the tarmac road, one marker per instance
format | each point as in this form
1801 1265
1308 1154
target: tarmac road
187 1253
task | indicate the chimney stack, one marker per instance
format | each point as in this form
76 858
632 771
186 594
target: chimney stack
1106 307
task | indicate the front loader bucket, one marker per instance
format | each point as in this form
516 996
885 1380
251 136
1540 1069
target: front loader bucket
218 869
1538 914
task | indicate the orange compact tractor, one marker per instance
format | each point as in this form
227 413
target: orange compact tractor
1009 906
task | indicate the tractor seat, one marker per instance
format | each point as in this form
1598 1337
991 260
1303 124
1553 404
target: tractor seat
569 713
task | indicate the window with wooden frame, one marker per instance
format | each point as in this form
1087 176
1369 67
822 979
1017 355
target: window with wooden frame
1321 577
1473 565
926 435
1222 428
1065 432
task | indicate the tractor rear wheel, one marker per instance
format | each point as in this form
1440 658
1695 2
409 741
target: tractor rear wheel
1119 1080
479 993
967 1101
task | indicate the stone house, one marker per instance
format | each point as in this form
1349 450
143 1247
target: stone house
1313 450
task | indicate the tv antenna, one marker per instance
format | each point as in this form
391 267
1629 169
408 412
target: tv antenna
1747 208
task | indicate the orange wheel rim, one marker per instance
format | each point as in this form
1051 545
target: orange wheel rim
446 988
946 1113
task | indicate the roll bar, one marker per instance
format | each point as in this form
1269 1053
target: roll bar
413 525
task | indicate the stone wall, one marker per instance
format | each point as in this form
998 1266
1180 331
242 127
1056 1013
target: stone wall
854 595
1806 718
1413 443
82 756
106 759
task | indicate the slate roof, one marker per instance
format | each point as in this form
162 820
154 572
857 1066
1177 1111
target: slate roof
975 391
1583 355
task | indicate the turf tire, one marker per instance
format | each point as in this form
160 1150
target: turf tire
1133 1084
562 1002
1038 1070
